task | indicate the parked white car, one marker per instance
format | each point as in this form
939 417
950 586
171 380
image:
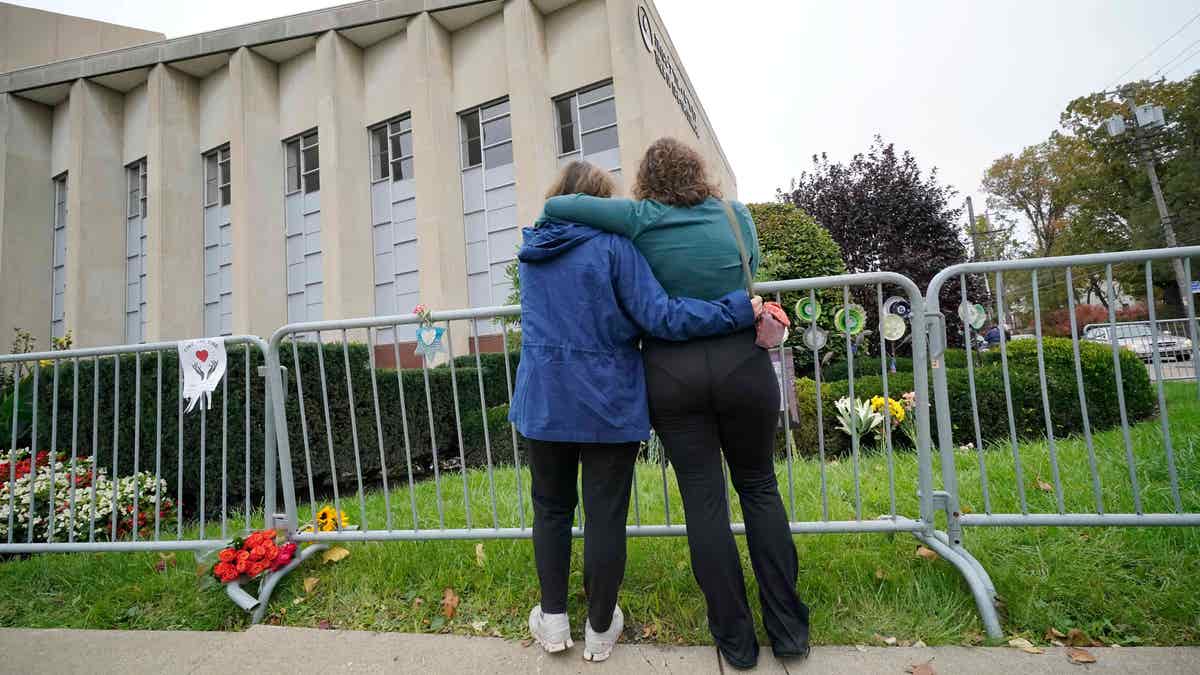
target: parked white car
1138 338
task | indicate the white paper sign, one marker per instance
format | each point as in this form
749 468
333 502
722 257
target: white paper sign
203 364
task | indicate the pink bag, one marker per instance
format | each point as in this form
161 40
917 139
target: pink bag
772 325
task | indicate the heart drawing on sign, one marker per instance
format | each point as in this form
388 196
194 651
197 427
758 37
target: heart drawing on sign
428 335
202 354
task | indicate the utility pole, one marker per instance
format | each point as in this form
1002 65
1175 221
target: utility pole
1147 161
973 228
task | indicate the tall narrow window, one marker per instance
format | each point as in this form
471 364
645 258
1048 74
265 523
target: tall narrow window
135 252
489 203
218 245
393 221
302 213
58 263
587 127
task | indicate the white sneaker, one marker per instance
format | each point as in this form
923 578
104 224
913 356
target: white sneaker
599 646
551 631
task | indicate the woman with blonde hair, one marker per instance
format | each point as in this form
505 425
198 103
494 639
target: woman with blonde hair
587 297
711 396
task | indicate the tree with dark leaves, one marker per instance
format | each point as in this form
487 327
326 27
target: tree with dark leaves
888 215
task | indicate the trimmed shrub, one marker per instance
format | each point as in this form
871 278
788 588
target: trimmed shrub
351 446
1098 379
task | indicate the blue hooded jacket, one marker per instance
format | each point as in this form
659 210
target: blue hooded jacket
586 299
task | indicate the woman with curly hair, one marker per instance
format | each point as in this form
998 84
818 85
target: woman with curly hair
709 396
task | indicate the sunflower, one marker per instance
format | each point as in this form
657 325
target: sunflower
330 519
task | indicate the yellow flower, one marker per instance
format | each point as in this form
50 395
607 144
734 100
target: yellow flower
330 519
895 408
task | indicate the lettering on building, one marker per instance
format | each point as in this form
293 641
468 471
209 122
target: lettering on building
670 71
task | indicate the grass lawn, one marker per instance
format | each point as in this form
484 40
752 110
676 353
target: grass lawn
1127 586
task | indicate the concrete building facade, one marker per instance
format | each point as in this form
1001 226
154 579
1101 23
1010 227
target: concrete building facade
346 162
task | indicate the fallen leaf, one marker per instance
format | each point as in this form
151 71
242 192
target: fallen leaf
310 583
438 623
861 648
1057 643
879 573
889 641
921 668
479 556
478 626
1077 655
324 624
649 631
334 554
1044 486
1053 633
526 642
450 602
926 553
1020 643
919 644
1077 638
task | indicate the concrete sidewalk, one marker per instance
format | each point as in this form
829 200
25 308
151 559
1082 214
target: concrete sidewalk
264 649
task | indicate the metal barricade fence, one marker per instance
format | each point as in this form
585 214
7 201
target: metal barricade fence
449 470
428 453
1043 415
99 454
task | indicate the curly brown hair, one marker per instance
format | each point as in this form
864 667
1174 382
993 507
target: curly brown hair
582 178
673 173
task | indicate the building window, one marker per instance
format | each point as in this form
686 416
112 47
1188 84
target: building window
218 245
394 223
58 263
303 163
216 178
392 150
135 252
302 219
587 126
487 136
489 204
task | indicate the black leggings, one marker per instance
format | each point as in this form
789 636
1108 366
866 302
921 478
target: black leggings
607 477
709 395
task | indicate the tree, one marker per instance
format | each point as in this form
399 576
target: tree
1082 191
887 215
1037 184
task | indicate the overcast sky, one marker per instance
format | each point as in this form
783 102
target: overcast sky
958 83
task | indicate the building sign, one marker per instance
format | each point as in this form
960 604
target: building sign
670 71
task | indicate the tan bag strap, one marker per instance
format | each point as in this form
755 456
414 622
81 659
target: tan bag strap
737 235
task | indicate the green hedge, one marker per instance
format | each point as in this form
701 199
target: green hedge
869 365
1099 386
421 442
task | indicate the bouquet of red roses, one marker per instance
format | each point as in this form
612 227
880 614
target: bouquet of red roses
249 558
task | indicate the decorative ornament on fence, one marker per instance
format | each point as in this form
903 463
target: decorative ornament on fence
808 310
850 319
203 365
974 315
898 306
429 336
892 326
815 337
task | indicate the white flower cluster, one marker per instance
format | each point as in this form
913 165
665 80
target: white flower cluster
90 491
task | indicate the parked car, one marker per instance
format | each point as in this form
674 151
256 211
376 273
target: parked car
1138 338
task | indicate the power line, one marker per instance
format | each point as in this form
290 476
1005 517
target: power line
1176 57
1152 52
1189 57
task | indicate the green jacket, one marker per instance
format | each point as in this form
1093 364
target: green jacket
690 249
